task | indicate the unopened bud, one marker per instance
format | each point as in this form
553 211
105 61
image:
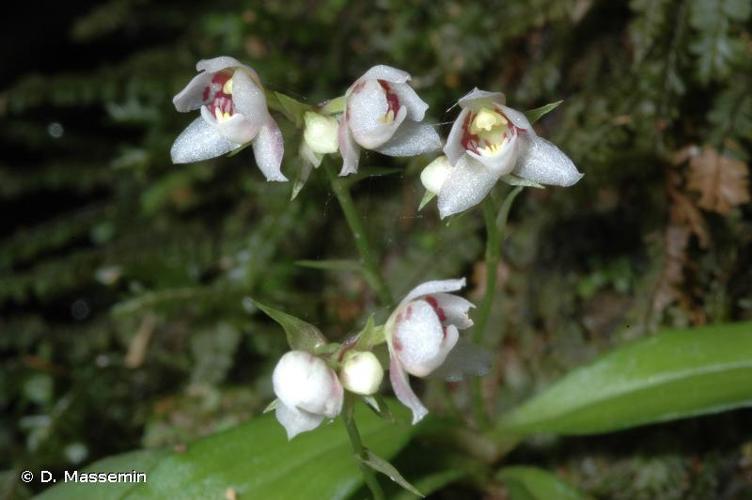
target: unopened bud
361 373
320 133
304 381
435 173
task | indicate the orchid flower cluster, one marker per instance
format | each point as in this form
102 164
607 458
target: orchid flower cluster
381 112
422 338
488 142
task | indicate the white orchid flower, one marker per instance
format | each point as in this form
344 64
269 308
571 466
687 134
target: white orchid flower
383 113
233 113
421 335
488 141
308 391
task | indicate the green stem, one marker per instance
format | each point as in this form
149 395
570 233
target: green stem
357 446
495 228
370 266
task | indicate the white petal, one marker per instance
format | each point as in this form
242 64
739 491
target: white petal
296 421
455 309
305 382
467 185
420 340
416 107
268 149
503 161
432 287
192 96
453 148
217 64
544 163
476 99
248 99
518 119
366 108
236 128
465 359
348 148
403 391
199 141
411 139
387 73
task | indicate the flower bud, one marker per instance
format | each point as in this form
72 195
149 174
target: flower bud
361 373
308 391
320 133
435 173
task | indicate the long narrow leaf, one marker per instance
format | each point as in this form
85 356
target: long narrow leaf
253 460
675 374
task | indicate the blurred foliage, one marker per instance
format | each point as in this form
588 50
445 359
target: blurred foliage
125 281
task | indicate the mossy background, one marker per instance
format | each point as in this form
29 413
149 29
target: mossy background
125 281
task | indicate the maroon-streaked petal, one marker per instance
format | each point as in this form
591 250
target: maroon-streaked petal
455 309
416 107
348 148
453 148
403 391
367 107
518 119
411 139
192 96
434 287
268 149
418 338
199 141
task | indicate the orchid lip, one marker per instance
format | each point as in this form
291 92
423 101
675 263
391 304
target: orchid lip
218 96
392 100
478 144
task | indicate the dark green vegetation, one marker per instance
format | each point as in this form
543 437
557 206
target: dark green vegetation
125 282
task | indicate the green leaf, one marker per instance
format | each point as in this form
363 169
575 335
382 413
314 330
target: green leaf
427 197
432 482
254 459
300 335
343 265
334 106
291 108
675 374
716 49
371 335
304 172
531 483
141 461
380 465
536 114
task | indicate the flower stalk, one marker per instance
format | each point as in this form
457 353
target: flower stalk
368 260
357 446
495 228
